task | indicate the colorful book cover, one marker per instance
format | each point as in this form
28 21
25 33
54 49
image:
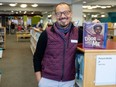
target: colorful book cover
95 35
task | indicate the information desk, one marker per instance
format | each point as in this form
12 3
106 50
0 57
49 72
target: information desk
92 73
22 35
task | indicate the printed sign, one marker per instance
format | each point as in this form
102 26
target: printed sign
105 70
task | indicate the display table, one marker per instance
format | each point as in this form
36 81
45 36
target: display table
22 35
90 63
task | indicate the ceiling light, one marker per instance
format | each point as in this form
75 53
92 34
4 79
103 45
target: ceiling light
102 15
103 7
98 6
84 2
23 5
85 6
94 6
34 5
90 7
13 5
16 12
32 12
108 6
94 16
49 16
1 3
84 16
25 12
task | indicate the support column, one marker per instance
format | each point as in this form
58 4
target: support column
77 14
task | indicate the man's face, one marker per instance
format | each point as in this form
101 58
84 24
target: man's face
63 15
98 30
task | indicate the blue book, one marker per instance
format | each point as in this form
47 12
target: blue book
95 35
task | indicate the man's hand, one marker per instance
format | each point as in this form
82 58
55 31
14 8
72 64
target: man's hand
96 21
38 76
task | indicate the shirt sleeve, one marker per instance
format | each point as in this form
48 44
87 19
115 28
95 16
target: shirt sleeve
39 52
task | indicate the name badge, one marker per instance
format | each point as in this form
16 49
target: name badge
74 41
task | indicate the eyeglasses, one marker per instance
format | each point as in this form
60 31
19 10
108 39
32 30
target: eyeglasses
64 12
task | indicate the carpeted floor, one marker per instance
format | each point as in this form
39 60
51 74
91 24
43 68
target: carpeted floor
17 64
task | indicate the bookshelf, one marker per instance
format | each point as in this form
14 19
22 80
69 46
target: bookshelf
3 37
35 33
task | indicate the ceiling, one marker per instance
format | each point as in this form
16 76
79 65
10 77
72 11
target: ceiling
47 6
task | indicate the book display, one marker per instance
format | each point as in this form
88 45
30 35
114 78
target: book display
95 35
2 37
98 69
35 33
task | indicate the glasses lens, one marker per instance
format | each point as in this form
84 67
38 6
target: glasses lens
60 13
66 13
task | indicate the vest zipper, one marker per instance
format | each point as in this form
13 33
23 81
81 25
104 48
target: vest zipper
63 60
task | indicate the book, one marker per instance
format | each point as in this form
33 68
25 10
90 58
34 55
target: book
95 35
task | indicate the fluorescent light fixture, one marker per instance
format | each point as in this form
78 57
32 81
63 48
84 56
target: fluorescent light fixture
108 6
23 5
94 6
13 5
103 7
90 7
85 6
34 5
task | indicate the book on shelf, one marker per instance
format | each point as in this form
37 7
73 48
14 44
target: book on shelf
95 35
79 69
1 52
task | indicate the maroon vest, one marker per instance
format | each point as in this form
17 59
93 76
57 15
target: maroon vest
59 60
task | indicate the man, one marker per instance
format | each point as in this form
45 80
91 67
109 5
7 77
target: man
54 58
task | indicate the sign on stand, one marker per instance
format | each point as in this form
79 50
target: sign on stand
105 70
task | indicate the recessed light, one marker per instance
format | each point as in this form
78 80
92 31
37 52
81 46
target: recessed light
23 5
13 5
34 5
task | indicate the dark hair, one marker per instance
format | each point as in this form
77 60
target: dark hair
97 25
62 3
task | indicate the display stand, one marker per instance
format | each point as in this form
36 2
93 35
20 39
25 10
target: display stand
90 63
